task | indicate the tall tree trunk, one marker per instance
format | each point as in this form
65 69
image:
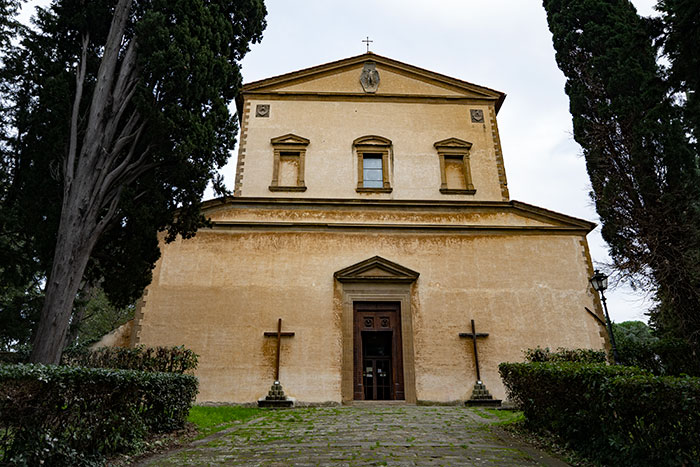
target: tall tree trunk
87 293
73 249
70 260
95 171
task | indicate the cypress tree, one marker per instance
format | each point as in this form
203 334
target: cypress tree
681 39
642 165
115 118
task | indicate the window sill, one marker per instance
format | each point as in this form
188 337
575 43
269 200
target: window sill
287 188
374 190
454 191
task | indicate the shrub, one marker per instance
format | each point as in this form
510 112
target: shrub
637 346
564 355
163 359
613 414
58 415
667 356
20 354
677 357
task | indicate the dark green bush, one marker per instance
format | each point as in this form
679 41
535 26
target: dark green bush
665 356
59 415
564 355
164 359
615 415
11 357
20 354
677 357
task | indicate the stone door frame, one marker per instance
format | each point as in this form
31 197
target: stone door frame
377 292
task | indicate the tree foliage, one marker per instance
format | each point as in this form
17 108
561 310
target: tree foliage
637 345
680 38
20 280
94 316
116 116
640 155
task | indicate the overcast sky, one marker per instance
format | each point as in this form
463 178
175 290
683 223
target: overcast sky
501 44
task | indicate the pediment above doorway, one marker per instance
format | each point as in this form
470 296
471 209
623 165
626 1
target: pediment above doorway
376 269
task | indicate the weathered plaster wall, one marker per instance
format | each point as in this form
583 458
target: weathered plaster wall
218 292
332 121
519 271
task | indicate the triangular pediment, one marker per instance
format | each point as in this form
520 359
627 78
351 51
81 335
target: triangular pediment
376 269
290 139
395 79
453 143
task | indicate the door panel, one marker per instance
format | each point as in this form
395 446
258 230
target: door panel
376 357
378 373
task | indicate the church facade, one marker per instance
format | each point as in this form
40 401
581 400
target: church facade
372 222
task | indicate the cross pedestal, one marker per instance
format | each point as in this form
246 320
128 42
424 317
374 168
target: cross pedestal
276 397
480 395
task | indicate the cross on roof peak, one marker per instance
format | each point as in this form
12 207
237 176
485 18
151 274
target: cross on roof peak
367 41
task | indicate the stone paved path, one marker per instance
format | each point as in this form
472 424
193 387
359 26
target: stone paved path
354 436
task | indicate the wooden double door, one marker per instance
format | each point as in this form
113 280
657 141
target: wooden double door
378 362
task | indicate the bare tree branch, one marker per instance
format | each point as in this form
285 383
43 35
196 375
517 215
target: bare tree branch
69 168
109 180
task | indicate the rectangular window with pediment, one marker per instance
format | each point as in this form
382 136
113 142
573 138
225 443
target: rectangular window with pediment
373 164
455 171
289 152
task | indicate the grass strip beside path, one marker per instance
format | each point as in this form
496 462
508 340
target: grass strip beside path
210 419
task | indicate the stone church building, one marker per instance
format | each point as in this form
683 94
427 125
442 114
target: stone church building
372 216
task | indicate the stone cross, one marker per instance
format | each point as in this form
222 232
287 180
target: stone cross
279 335
367 41
473 336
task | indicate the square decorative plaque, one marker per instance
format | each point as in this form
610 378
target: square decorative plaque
262 110
477 115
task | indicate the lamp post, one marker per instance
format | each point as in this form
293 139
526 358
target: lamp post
599 281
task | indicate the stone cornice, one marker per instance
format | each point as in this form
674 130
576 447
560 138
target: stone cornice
407 228
561 222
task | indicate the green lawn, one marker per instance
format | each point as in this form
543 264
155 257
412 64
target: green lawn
507 417
212 419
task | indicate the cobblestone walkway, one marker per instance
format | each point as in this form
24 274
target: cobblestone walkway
354 436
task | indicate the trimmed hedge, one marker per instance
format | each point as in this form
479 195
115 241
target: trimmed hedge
59 415
613 414
539 354
162 359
